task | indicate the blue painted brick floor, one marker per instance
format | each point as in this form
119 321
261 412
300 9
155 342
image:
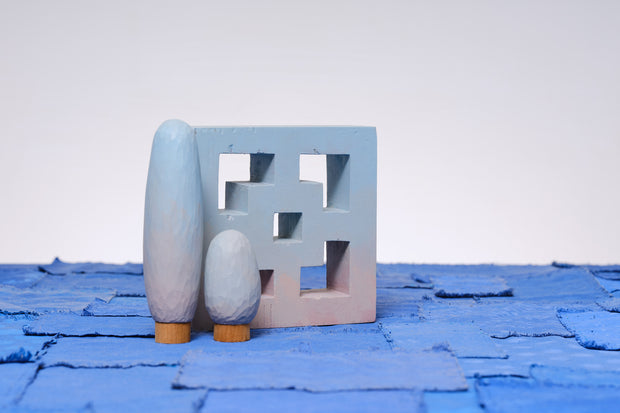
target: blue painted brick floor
79 337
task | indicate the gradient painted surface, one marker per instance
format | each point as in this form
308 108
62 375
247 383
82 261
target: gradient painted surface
232 286
347 223
173 224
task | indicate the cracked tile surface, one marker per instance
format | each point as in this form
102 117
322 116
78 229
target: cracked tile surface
118 306
454 402
510 394
423 370
307 402
15 347
136 389
553 351
72 325
461 286
78 337
40 301
612 286
20 277
598 330
610 304
464 339
401 276
59 267
500 318
122 284
14 380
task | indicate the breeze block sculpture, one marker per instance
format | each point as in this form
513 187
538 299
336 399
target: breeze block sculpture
346 226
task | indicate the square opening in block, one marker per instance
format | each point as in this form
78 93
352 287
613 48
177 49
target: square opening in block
261 167
338 181
314 168
266 282
333 275
234 167
332 171
287 226
314 277
241 167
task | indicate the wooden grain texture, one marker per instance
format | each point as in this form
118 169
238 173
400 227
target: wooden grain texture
173 333
231 333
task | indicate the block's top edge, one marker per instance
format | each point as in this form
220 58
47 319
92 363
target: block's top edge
245 127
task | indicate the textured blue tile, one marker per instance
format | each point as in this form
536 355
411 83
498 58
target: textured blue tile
18 268
508 273
434 270
461 285
500 318
14 345
127 352
509 394
479 367
401 302
311 339
37 301
466 340
609 275
453 402
75 326
401 276
118 307
20 278
593 329
306 402
346 337
426 370
563 265
548 351
127 285
568 376
521 319
611 304
48 409
412 317
14 379
362 328
313 277
137 389
117 352
439 309
611 272
612 286
59 267
565 286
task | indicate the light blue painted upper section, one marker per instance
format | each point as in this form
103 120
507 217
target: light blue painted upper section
232 281
173 224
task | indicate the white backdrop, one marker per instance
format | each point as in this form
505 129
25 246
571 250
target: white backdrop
498 122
